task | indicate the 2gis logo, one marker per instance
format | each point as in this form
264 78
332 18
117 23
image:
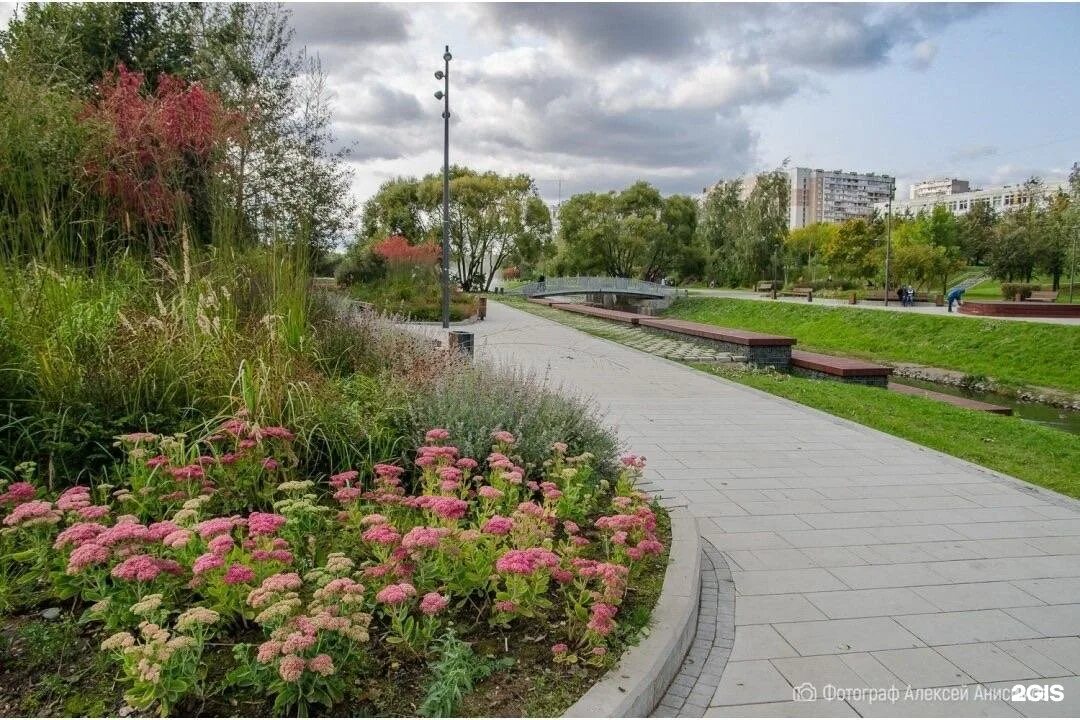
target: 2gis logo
1037 693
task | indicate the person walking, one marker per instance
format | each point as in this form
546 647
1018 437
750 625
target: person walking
954 297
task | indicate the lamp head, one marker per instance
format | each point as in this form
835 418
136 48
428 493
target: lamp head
447 56
438 94
439 75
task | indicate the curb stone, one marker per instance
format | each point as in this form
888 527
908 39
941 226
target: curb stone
635 686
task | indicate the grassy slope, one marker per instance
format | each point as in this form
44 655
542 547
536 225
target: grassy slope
1011 352
1042 456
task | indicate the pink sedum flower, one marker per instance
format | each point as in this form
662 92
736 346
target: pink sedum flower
437 435
504 437
433 603
423 537
205 563
17 493
382 535
291 668
602 618
322 664
86 555
238 574
395 594
498 525
260 523
489 493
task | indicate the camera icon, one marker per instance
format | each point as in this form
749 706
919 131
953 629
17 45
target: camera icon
804 692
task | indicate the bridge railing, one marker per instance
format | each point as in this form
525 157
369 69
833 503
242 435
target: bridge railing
573 285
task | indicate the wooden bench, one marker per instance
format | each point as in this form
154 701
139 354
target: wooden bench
540 301
1043 296
954 400
758 348
603 313
765 286
805 292
879 296
849 370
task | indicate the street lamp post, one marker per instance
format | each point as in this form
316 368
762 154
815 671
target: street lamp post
444 95
1072 271
888 248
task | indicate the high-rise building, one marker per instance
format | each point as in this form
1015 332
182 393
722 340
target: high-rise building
834 195
938 187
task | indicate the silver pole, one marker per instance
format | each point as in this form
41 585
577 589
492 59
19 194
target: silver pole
446 193
888 248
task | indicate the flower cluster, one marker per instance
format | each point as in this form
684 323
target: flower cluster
208 535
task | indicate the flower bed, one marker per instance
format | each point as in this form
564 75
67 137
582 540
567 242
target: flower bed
214 574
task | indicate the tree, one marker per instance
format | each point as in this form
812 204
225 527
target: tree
632 233
943 235
494 219
852 251
976 231
745 236
1055 226
720 228
810 241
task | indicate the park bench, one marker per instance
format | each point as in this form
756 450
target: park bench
603 313
758 348
1043 296
540 301
765 286
805 292
849 370
879 295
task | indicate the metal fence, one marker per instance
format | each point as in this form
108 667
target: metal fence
578 285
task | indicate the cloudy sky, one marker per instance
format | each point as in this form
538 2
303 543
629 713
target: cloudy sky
681 95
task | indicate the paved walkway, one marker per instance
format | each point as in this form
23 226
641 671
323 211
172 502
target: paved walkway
859 560
920 309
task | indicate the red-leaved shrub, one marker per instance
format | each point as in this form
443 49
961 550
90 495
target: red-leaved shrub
155 145
396 249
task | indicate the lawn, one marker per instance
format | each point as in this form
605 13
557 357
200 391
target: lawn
991 289
1009 352
1016 447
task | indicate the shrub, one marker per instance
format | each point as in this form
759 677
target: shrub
479 400
1009 291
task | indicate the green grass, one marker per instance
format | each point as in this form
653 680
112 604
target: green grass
1010 352
990 289
1016 447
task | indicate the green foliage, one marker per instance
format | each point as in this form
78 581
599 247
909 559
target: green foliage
744 233
87 356
279 179
1009 291
473 403
495 220
1025 354
454 675
633 233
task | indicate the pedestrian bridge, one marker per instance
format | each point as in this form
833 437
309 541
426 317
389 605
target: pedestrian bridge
596 285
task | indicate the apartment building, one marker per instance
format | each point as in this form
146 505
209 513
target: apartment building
1001 198
937 187
835 195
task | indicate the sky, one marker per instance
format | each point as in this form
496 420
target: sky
597 96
